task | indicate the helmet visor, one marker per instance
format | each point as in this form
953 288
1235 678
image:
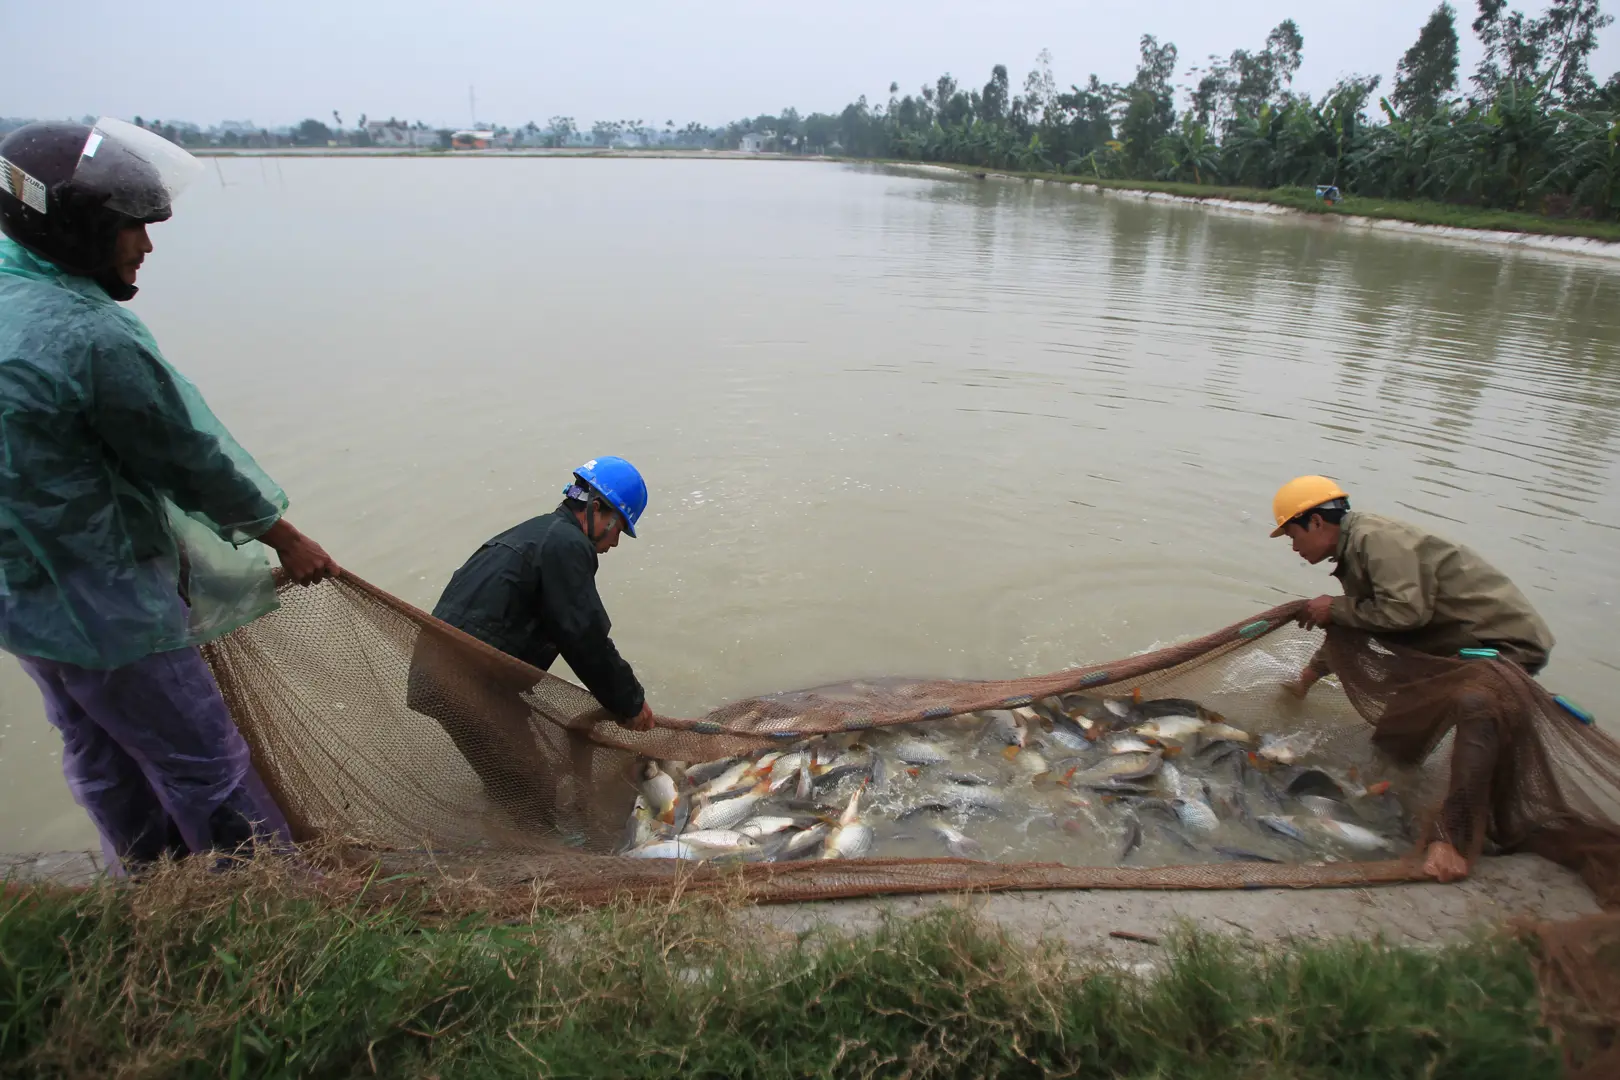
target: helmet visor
139 171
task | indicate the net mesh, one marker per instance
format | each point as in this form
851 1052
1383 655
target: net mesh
380 728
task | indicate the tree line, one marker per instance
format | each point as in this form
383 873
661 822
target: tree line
1532 129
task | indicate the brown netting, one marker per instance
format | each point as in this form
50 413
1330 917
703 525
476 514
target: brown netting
379 727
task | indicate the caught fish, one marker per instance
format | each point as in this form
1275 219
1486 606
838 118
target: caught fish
1032 762
739 774
1126 743
667 849
1286 749
801 845
1222 730
1133 837
1069 737
642 827
851 837
708 813
1282 826
920 752
1315 782
1157 708
1240 855
1354 835
1106 711
1323 807
1121 768
658 788
837 774
717 838
761 827
1009 728
1195 814
805 788
1171 728
698 775
957 842
972 796
718 847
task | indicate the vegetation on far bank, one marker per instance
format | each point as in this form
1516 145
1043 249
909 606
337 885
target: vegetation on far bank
1417 212
267 972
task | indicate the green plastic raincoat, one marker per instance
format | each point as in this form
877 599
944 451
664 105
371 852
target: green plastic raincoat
124 502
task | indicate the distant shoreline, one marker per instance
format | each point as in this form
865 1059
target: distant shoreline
1511 228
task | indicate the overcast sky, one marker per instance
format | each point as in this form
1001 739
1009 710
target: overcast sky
705 60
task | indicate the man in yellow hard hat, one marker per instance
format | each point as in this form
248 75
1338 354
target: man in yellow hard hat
1407 587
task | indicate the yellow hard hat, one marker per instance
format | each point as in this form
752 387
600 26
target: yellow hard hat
1300 494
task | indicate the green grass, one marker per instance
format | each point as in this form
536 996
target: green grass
262 973
1304 199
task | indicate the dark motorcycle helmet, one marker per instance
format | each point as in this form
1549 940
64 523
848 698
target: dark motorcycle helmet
67 189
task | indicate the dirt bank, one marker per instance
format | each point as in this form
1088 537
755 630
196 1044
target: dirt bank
1500 889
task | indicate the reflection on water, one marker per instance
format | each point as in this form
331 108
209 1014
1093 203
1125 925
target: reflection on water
892 423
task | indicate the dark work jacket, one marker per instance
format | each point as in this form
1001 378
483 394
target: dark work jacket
531 593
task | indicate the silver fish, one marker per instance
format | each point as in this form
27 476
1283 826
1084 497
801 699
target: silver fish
1354 835
1286 749
1240 855
641 829
658 788
851 837
957 842
1126 743
1323 807
1007 727
698 775
668 849
1121 768
1069 738
726 813
1171 728
1223 730
802 844
717 838
739 774
1133 837
761 827
920 752
1282 826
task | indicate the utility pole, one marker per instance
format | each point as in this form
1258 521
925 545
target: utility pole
472 105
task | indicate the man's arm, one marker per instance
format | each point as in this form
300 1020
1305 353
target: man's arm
1403 596
141 414
572 616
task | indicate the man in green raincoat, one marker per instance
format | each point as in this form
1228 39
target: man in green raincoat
130 520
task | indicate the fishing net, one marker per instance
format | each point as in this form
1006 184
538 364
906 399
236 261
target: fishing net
385 730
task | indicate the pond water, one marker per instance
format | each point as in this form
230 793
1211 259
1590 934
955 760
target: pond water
892 423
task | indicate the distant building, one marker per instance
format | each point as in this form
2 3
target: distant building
424 136
471 139
754 142
389 133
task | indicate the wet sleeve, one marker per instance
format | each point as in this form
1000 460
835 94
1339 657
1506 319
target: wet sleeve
159 428
1403 593
572 616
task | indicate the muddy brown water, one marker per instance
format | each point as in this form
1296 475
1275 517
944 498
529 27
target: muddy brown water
892 423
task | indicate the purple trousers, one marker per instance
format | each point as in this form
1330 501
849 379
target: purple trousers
150 752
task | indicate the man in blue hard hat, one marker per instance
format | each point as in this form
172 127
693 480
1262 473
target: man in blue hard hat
531 593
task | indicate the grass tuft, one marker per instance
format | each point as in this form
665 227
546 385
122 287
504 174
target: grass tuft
272 970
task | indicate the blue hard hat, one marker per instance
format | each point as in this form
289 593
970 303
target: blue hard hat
617 481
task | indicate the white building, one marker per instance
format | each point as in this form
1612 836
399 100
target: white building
754 142
383 133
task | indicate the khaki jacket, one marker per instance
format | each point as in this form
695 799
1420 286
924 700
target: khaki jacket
1413 588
